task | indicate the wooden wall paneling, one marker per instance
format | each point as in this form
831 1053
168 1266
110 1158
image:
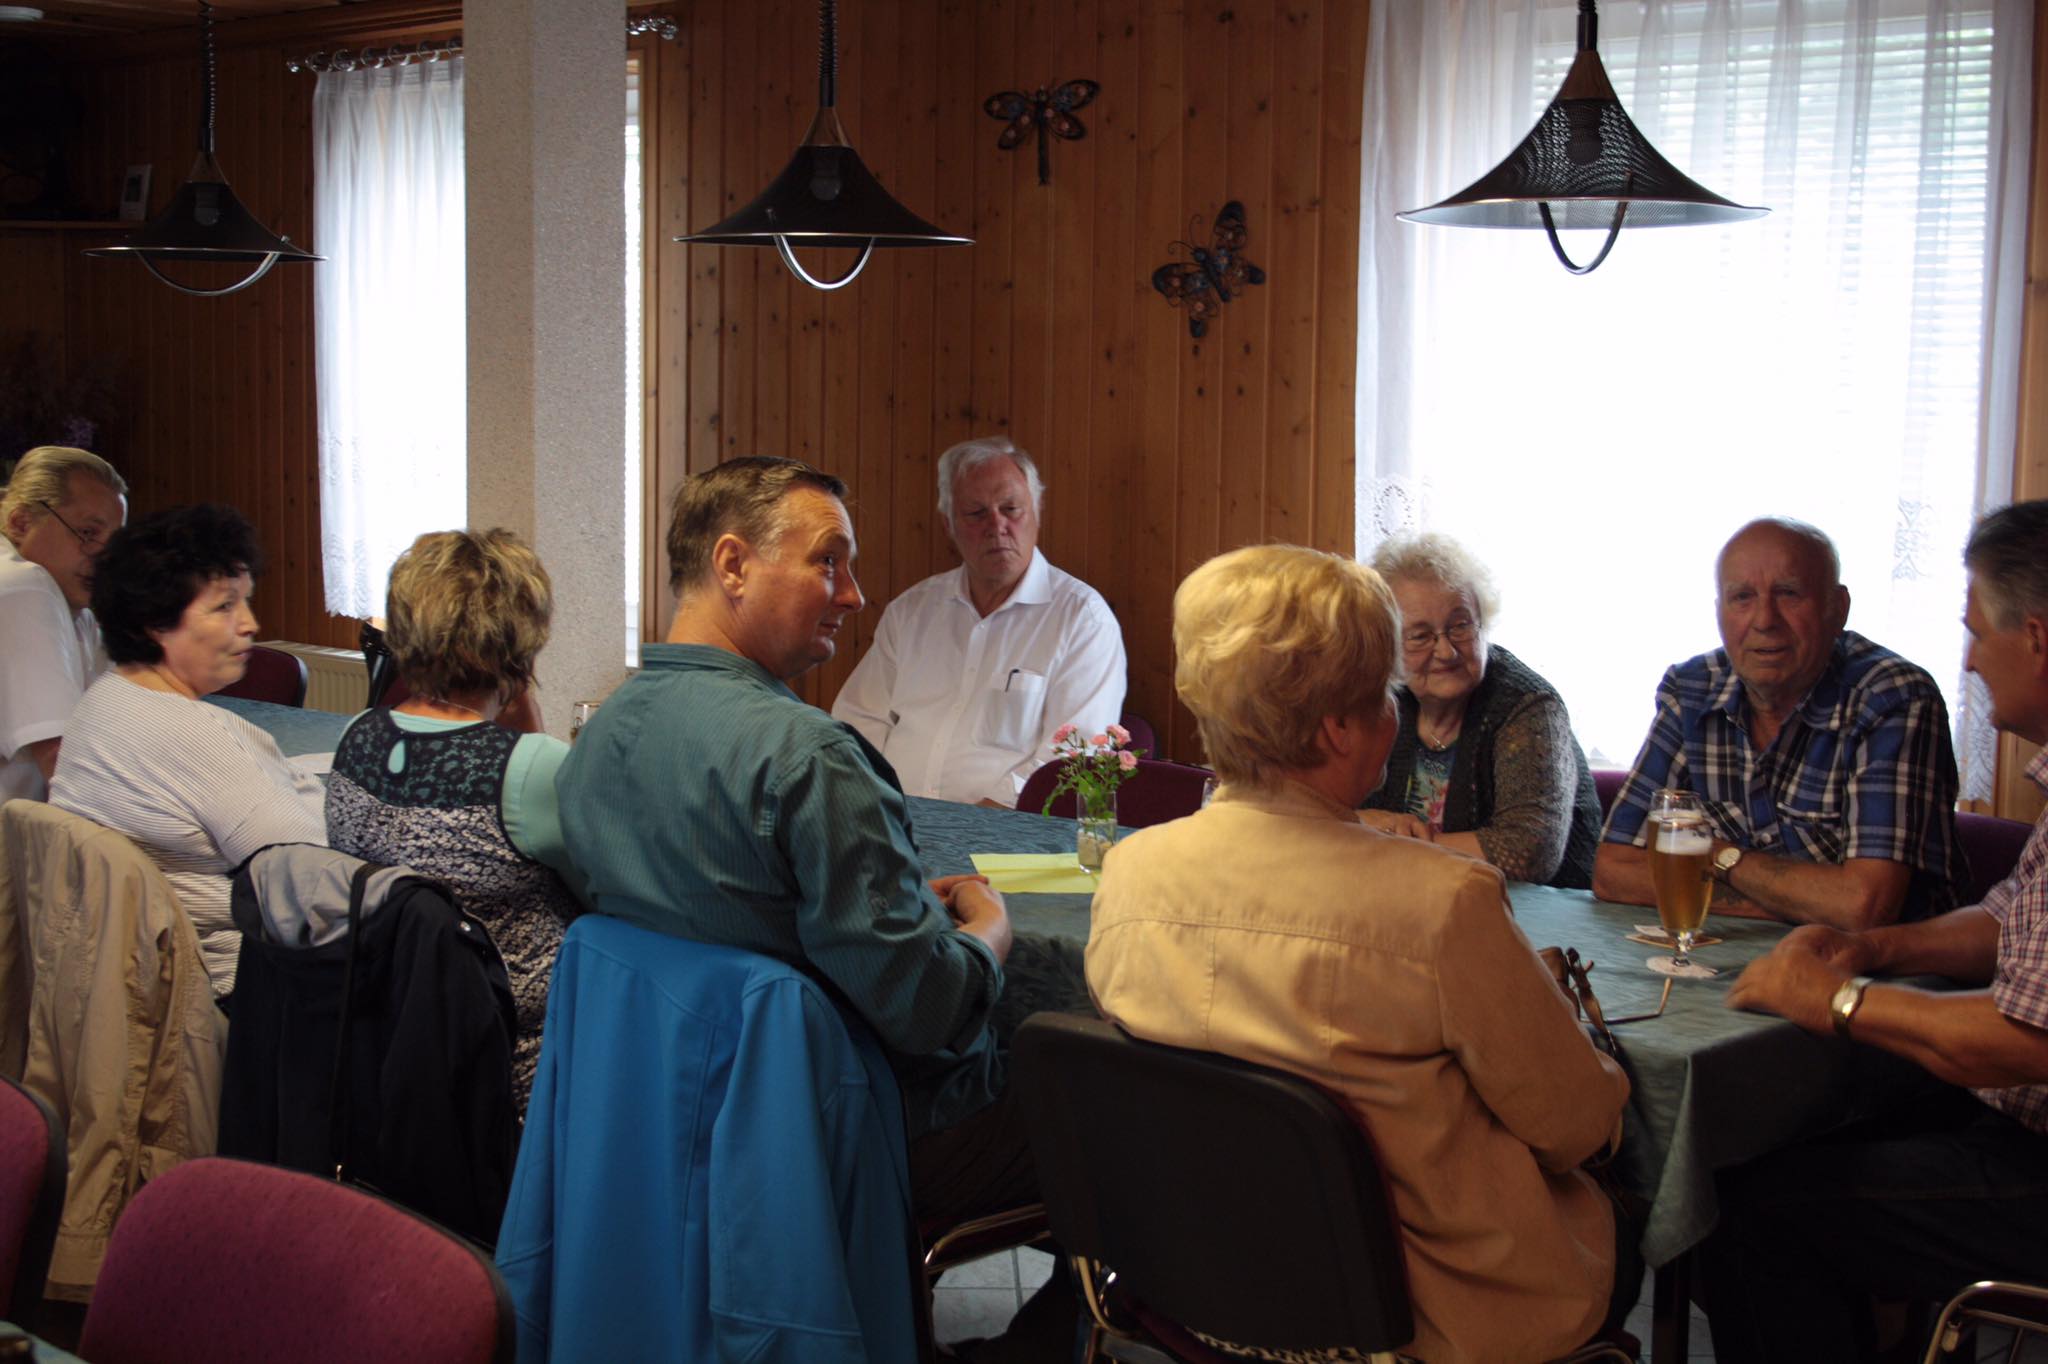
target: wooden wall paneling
806 306
1336 352
263 370
740 361
1072 300
1033 268
1108 353
912 520
958 133
1204 188
1162 338
777 63
1246 32
994 261
1288 253
707 265
880 109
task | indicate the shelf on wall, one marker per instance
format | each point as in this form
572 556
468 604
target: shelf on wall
64 225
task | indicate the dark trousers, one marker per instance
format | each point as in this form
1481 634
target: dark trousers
1810 1236
982 1164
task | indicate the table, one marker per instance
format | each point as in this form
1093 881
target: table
1713 1088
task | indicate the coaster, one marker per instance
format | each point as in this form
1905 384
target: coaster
1692 970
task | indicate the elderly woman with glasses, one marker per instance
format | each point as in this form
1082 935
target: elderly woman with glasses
1485 763
1274 926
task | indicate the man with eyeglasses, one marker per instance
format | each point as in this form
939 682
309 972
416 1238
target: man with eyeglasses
1823 759
60 507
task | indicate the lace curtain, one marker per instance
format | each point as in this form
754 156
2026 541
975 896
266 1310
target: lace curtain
1850 360
389 349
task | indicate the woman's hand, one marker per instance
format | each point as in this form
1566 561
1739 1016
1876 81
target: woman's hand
1398 823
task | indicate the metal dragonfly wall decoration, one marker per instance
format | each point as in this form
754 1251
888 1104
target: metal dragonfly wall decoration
1048 109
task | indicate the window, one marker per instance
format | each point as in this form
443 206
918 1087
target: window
1596 439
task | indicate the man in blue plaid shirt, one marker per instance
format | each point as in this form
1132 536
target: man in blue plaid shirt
1958 1191
1823 759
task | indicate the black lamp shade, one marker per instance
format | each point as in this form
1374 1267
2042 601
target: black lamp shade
206 222
825 196
1584 156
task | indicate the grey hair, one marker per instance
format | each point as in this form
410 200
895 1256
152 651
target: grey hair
972 454
2008 557
44 475
1814 537
1433 556
743 496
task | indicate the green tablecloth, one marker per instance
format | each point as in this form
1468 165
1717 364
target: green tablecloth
1713 1087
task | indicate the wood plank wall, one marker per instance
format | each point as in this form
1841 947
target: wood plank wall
1158 451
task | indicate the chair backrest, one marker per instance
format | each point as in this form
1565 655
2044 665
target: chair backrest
1238 1200
1144 738
1993 846
272 675
385 687
32 1174
1607 784
230 1262
1157 792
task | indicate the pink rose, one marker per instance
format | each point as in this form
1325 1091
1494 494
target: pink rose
1099 741
1120 734
1064 733
1127 760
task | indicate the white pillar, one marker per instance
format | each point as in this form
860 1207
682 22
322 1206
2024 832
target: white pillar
544 100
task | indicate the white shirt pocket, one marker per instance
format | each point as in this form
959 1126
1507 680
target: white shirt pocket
1013 712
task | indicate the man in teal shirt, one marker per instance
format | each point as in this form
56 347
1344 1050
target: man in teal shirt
705 800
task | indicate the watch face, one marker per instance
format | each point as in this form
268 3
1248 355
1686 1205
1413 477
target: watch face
1727 858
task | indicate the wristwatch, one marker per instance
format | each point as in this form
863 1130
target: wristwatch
1725 860
1848 999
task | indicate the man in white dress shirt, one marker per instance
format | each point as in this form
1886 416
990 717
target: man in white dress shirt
972 670
59 508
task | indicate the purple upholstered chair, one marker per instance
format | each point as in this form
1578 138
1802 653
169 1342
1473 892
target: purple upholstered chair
1156 792
229 1262
274 676
1993 846
1607 784
33 1171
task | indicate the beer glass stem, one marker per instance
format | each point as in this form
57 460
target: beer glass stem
1683 957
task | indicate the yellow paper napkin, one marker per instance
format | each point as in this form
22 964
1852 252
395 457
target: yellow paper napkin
1035 873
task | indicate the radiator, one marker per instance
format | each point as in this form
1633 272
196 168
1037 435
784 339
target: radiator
336 679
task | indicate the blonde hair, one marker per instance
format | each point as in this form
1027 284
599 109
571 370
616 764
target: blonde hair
1269 640
44 475
468 610
1435 557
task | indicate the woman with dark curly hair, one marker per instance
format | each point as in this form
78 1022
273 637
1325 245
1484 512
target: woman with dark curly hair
197 788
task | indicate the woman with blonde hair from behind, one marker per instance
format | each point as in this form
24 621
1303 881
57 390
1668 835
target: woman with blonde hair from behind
436 785
1275 927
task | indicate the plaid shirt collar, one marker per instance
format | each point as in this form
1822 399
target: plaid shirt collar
1821 708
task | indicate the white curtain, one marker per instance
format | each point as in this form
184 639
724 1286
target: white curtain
1850 360
389 350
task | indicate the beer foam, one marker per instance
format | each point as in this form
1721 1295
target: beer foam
1684 840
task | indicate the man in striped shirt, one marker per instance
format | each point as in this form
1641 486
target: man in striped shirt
1823 759
1960 1191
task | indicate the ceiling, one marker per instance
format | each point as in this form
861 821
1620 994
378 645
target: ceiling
125 18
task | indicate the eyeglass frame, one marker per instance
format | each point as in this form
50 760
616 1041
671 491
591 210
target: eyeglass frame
1413 644
93 543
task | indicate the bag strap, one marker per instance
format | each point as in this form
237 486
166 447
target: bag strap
337 1089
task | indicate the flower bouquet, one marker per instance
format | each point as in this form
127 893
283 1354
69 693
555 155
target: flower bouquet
1092 769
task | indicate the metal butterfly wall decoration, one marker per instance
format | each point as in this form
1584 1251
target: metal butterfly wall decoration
1048 110
1214 276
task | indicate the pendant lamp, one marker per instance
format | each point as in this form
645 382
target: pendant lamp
825 196
1584 165
205 221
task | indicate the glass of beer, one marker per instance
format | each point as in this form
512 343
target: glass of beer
1681 844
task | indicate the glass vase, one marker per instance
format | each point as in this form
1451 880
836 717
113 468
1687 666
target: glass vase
1094 829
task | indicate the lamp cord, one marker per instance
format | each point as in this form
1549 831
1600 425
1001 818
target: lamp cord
828 52
1589 26
206 81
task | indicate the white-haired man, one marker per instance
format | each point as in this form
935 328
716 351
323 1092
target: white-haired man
59 509
972 670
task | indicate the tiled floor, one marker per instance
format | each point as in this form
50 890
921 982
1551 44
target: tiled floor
978 1300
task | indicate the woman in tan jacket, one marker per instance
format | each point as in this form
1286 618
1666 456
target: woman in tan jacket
1275 927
